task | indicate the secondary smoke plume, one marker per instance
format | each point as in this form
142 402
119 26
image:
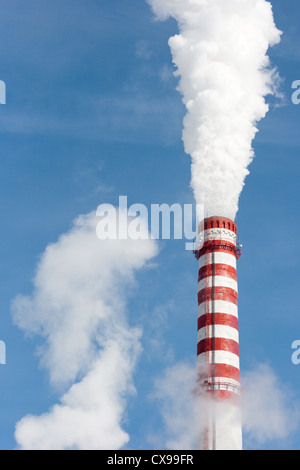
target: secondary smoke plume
225 75
78 307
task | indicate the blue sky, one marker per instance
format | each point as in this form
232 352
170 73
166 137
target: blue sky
93 113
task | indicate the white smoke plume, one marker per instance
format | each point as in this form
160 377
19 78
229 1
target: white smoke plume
174 393
225 74
185 411
270 411
78 307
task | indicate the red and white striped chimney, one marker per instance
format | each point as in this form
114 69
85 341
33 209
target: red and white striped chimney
218 334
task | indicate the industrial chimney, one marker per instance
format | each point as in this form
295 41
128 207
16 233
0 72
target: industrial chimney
218 334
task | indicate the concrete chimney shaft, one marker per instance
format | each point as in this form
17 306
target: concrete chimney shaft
218 334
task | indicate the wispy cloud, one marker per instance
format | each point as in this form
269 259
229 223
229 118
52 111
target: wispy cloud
125 117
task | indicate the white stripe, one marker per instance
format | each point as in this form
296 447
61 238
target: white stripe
220 383
219 281
221 306
220 258
222 380
221 331
224 387
218 234
221 357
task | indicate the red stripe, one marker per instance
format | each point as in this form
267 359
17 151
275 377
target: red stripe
219 370
220 293
217 270
231 249
218 222
225 370
217 243
219 319
220 344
